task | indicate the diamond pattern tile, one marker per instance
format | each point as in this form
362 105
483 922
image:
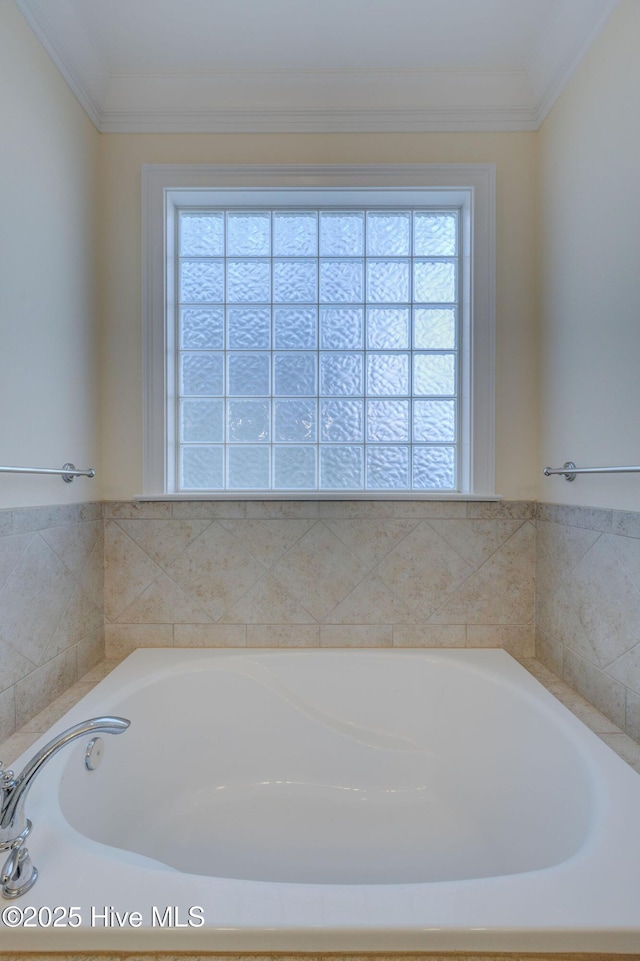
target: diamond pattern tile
319 571
215 570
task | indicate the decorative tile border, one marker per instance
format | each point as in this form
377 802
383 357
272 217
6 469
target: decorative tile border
417 956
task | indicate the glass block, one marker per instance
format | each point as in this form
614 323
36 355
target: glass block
388 234
202 328
434 374
295 373
202 468
341 234
248 468
387 374
201 373
294 468
434 468
341 420
249 234
202 421
248 281
387 281
434 234
387 420
434 281
341 468
248 328
202 234
248 374
295 233
295 281
202 281
341 328
295 420
341 374
341 281
295 328
434 421
387 467
434 328
387 328
248 421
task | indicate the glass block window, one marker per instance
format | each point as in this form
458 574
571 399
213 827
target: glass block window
317 349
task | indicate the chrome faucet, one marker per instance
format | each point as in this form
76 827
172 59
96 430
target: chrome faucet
19 874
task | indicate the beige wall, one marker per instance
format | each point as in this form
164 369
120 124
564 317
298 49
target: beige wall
590 258
576 175
48 329
121 158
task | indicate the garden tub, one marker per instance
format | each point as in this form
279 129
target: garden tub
331 800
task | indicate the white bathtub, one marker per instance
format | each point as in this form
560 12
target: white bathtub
333 801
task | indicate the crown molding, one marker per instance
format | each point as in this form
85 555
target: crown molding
571 32
378 175
398 120
72 51
330 101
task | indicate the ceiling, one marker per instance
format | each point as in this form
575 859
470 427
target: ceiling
316 65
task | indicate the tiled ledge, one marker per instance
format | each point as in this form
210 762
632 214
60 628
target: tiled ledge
607 731
21 520
602 519
27 735
318 509
618 741
264 956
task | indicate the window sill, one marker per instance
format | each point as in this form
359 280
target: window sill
314 496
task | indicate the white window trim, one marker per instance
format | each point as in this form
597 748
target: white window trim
475 181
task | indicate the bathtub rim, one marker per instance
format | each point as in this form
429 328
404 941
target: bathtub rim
364 937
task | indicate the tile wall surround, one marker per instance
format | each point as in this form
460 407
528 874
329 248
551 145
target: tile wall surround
561 582
51 605
319 573
588 605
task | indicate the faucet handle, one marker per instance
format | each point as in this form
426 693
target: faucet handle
7 778
19 873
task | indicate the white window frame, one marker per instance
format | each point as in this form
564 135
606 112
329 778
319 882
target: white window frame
468 186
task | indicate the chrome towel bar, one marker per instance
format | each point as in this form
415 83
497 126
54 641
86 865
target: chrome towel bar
569 470
68 472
